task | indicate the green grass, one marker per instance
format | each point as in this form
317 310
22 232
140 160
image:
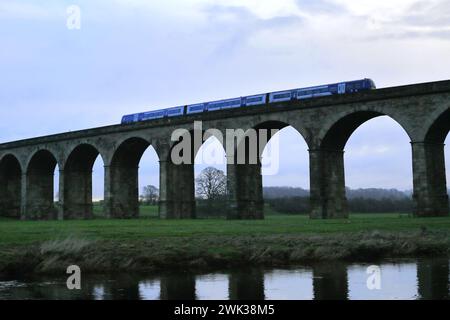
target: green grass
149 244
26 232
144 211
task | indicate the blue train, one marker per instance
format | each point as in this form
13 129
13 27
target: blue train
256 100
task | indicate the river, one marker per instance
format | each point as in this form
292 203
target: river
390 279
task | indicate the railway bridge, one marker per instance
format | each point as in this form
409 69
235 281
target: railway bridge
326 123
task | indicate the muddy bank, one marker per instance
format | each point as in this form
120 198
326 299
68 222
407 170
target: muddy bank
208 253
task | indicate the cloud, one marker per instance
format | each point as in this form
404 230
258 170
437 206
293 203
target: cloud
402 19
429 14
136 55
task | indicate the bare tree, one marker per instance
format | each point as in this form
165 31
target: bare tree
211 184
150 194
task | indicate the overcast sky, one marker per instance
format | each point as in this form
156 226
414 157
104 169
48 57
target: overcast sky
137 55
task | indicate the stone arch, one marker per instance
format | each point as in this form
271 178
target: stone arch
39 185
39 150
129 152
75 149
10 186
432 122
122 191
77 181
328 199
245 187
274 154
334 136
191 140
279 125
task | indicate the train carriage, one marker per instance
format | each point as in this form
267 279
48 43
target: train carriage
195 108
150 115
224 104
255 100
175 112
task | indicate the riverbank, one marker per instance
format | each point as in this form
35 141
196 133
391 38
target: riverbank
150 245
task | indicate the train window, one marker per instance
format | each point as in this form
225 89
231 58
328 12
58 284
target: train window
283 95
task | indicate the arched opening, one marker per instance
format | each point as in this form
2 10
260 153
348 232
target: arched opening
210 167
78 182
123 195
40 186
148 180
328 192
378 168
338 135
285 173
10 187
98 188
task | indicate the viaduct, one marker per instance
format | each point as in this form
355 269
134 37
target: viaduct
27 166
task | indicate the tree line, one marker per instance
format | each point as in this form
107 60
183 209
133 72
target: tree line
211 197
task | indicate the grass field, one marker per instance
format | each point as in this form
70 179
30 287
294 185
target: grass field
149 226
144 211
150 244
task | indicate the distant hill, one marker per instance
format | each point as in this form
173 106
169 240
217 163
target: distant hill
377 194
369 193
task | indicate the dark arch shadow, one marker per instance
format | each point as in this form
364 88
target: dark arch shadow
430 191
39 193
439 129
177 180
78 182
10 187
122 198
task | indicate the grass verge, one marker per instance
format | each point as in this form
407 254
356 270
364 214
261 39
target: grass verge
207 244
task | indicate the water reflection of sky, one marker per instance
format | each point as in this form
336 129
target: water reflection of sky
149 290
289 285
427 279
398 281
212 287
